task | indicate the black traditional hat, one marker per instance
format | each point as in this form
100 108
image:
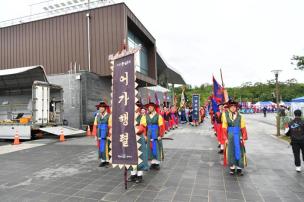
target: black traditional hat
232 103
221 104
151 104
102 104
139 104
156 106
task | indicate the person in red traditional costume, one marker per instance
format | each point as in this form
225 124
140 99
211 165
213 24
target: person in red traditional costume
219 130
175 109
167 117
172 118
202 114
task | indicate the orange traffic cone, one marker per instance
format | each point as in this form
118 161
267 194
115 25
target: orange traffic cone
16 139
94 132
61 137
89 131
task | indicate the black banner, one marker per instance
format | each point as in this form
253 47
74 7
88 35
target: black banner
124 144
196 107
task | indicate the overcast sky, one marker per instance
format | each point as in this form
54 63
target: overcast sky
246 38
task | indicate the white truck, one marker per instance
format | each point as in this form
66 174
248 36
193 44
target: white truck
29 104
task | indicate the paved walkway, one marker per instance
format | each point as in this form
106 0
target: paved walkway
192 171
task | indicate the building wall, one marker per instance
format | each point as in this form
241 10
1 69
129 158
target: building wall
95 89
71 97
57 43
81 93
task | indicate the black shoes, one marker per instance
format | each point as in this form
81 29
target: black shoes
154 167
157 167
136 179
239 172
103 164
139 179
132 178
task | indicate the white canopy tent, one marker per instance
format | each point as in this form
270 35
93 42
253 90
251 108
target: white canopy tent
264 104
297 103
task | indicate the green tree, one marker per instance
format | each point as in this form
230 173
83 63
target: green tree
250 92
299 60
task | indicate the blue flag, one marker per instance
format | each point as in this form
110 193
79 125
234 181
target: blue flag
215 107
218 93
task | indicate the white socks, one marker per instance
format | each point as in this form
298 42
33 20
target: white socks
138 173
154 161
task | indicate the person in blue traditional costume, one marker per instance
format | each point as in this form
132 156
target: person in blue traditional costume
235 135
153 122
183 115
137 174
104 127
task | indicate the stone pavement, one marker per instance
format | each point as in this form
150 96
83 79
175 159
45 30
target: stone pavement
192 171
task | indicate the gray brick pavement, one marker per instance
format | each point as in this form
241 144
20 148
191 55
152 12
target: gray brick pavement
192 171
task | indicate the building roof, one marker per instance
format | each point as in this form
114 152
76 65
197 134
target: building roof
23 77
167 74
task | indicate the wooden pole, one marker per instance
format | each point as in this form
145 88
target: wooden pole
226 98
126 181
173 95
222 79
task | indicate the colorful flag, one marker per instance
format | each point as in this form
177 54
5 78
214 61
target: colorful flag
218 93
182 103
215 107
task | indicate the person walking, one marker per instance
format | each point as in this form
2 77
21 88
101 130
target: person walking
296 133
235 135
137 174
153 122
265 111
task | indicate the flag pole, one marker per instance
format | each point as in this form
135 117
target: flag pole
225 93
222 78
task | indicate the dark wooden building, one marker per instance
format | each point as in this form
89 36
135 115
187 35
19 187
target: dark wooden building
57 42
74 48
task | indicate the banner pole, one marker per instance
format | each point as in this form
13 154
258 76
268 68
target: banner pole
126 181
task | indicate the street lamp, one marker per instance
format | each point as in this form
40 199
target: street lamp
276 74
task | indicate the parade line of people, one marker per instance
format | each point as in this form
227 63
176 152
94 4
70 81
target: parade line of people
154 121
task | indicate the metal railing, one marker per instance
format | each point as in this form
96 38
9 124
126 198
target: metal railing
56 12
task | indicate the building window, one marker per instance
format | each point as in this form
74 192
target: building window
141 58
